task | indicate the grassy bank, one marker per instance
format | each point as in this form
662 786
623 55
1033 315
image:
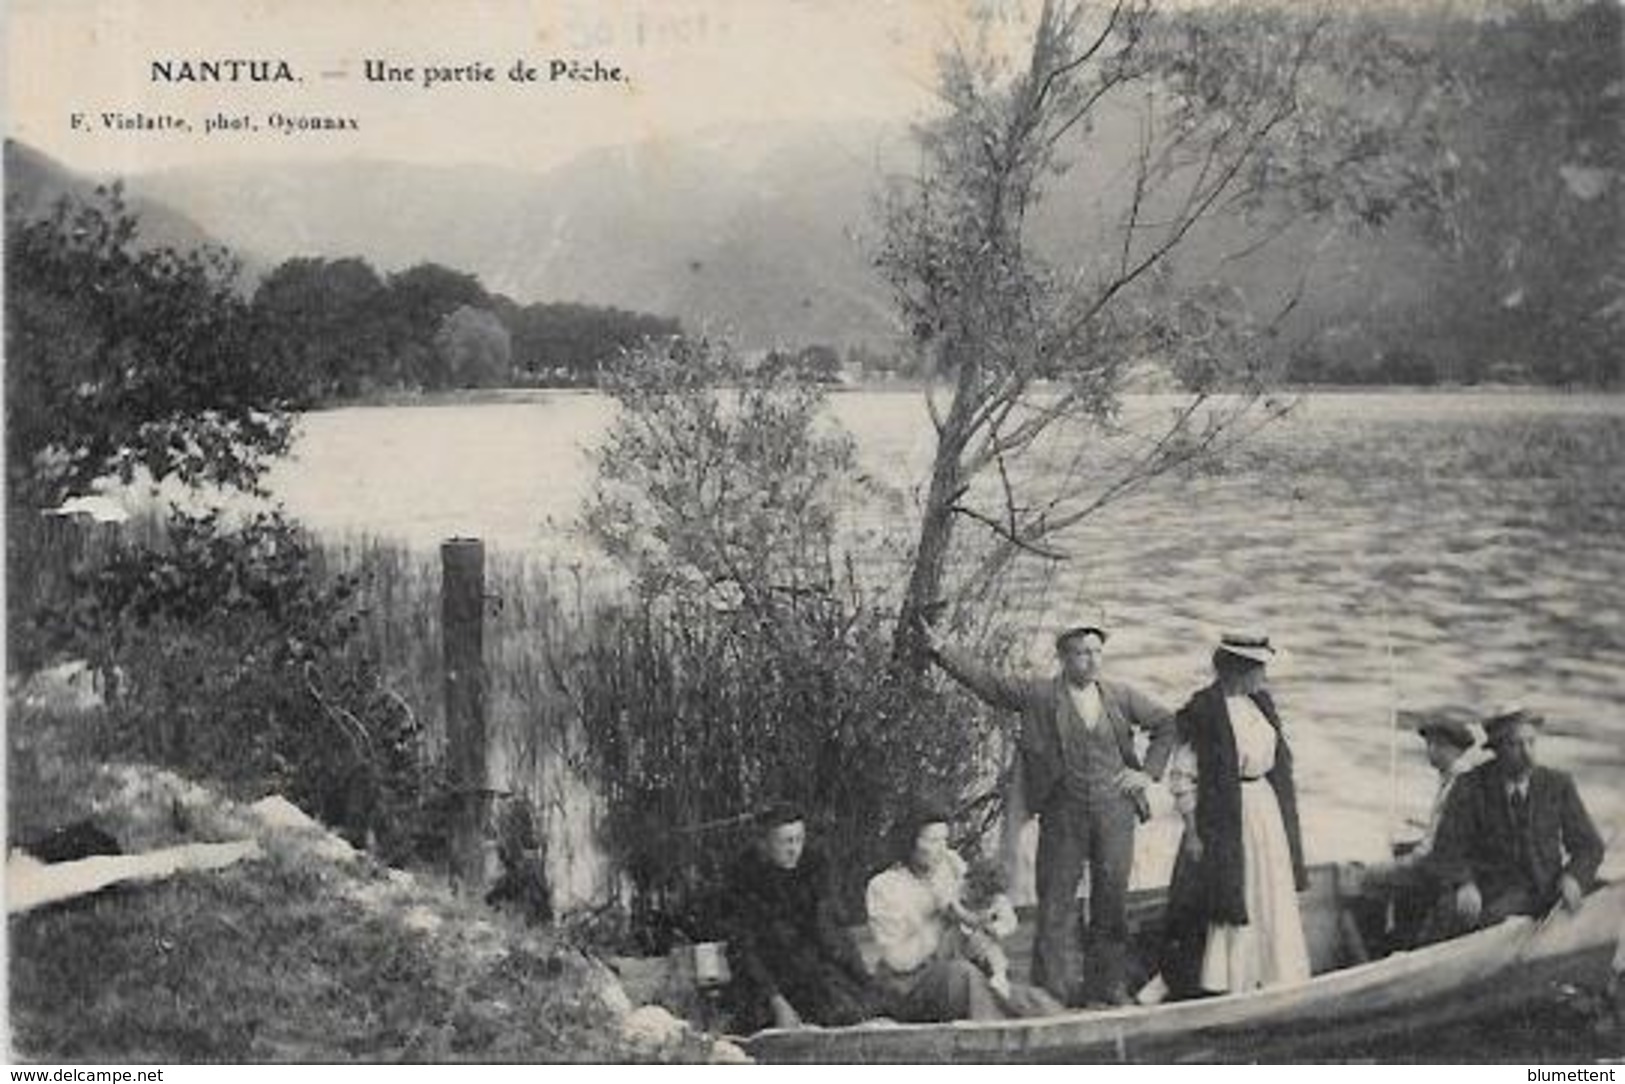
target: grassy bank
311 953
306 955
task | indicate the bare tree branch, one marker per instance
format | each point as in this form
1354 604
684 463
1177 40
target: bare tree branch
1106 87
1082 58
1012 516
1152 465
1187 222
1140 179
1010 537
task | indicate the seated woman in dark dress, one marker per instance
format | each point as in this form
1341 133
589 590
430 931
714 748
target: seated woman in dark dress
792 964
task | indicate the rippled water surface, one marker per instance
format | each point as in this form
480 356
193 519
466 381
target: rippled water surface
1404 549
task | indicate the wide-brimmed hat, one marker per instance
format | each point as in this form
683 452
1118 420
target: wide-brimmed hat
1247 645
1503 719
1072 632
1452 723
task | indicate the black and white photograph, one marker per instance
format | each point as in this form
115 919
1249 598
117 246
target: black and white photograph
749 532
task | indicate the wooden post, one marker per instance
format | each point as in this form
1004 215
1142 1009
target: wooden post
462 609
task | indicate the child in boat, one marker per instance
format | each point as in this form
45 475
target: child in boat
989 917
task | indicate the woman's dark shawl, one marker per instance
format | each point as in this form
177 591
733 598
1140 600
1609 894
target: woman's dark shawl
1212 890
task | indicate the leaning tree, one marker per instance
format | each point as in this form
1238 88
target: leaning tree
1203 136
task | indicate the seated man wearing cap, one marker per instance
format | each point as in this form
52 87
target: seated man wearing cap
1078 771
1404 890
1515 839
1454 748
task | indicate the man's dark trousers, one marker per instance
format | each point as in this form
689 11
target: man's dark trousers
1097 832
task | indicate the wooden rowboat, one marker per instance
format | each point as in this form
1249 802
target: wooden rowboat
1345 1005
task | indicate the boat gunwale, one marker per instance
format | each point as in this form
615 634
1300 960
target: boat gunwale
1084 1028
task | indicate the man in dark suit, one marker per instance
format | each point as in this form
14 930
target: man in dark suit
1515 839
1076 769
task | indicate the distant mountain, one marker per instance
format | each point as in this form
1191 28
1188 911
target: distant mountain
757 230
753 230
760 231
35 182
761 236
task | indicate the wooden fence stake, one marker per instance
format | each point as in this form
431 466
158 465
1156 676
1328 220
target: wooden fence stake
462 608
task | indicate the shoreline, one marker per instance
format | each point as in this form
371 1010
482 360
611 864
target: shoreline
522 394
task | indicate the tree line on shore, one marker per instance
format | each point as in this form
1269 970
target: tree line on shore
341 330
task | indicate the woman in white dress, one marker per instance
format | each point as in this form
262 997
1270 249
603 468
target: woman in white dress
1233 921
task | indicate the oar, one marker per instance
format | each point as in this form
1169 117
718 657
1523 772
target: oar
1389 917
1393 722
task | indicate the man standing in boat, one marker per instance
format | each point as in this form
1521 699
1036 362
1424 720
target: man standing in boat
1076 769
1515 838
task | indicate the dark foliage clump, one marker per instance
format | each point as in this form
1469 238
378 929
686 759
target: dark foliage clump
230 652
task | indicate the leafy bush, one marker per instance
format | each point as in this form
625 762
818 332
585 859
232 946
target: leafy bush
754 661
236 657
120 358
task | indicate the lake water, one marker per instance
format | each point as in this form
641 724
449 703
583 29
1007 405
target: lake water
1404 549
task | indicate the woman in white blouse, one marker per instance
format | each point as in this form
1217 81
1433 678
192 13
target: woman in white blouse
1233 921
914 916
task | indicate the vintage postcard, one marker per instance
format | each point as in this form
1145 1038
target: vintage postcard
765 530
